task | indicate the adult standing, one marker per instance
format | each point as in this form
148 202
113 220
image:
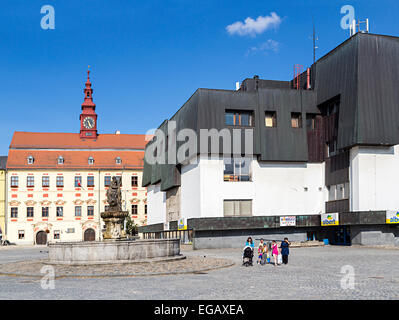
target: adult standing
285 250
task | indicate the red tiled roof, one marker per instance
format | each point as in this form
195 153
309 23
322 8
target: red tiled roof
17 159
55 140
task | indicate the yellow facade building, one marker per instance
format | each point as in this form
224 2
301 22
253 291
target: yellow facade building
3 163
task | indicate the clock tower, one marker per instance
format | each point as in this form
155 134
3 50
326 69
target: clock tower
88 117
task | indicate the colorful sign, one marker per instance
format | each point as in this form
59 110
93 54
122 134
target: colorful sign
392 217
288 221
181 225
329 219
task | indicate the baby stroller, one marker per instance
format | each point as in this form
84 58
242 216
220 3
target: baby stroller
247 257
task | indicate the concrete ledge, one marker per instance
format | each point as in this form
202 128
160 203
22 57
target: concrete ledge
88 263
104 252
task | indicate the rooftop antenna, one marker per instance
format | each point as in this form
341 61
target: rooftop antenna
357 25
315 39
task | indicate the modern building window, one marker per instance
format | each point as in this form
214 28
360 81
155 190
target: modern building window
239 118
135 181
237 208
45 212
90 181
78 182
60 160
310 121
30 160
29 212
21 234
90 160
60 181
45 181
14 212
60 211
90 211
118 160
14 181
78 211
107 181
270 119
237 169
56 234
296 120
134 209
30 181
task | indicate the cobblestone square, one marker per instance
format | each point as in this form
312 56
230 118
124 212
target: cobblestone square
312 273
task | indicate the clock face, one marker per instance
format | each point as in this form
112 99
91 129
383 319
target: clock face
88 122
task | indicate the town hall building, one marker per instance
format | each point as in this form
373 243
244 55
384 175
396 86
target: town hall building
57 182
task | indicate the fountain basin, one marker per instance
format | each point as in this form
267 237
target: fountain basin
113 251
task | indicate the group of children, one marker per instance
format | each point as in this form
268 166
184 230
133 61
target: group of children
280 255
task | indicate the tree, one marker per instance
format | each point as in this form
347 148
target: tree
131 227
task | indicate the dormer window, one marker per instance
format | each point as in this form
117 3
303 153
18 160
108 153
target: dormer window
91 160
60 160
30 160
118 160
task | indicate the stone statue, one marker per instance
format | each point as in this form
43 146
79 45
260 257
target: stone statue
114 196
114 217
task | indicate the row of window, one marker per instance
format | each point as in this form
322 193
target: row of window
21 234
60 160
30 181
60 211
246 119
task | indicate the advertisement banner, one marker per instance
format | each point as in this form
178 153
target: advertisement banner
288 221
181 225
392 217
329 219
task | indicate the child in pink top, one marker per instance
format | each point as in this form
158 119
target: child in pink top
275 251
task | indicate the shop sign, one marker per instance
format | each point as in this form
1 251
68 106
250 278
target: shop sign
329 219
392 217
288 221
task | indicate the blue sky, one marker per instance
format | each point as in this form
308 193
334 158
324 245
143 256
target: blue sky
148 57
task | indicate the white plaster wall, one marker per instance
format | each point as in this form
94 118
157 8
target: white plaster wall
374 173
214 190
156 204
190 197
275 189
289 188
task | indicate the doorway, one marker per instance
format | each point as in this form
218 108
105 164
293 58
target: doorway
41 237
89 235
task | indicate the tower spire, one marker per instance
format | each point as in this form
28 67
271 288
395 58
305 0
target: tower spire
88 117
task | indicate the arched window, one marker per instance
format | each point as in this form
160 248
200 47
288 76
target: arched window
30 160
91 160
118 160
60 160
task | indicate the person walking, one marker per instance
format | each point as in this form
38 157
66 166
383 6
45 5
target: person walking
285 250
274 251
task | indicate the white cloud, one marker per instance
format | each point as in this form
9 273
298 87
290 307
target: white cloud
253 27
269 45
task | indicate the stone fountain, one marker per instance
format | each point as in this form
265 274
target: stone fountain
114 217
115 247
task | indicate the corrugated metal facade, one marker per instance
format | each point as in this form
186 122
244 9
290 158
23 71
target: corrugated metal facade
361 74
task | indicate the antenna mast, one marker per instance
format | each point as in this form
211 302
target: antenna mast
315 39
